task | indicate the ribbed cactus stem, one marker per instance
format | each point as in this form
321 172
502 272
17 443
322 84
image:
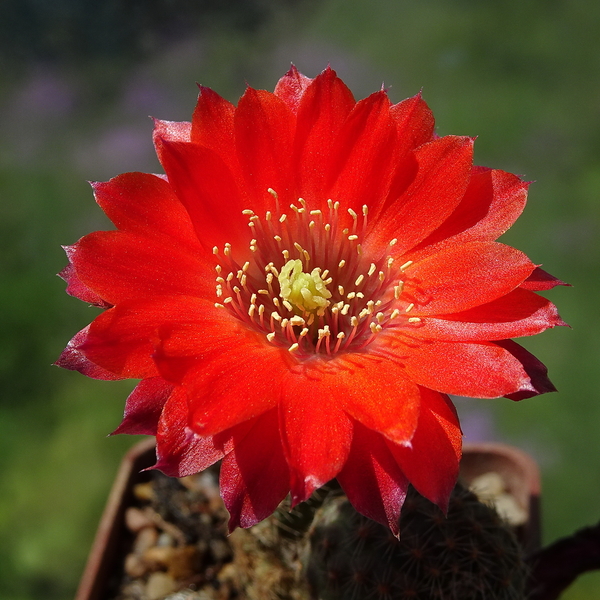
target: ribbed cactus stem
468 555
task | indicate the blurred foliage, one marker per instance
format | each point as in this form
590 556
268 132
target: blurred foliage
84 29
80 78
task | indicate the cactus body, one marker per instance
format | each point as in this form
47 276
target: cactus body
468 555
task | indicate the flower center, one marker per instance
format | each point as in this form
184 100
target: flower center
308 286
306 291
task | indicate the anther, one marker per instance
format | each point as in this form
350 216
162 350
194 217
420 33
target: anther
293 347
414 320
372 269
273 193
271 336
406 265
352 237
409 307
341 263
359 280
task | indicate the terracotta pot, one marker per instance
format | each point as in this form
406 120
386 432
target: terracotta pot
518 471
107 547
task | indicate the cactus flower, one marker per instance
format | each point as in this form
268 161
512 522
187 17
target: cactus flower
301 291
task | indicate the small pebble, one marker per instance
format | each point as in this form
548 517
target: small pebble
487 485
135 566
491 490
220 550
144 491
146 538
509 510
159 585
136 519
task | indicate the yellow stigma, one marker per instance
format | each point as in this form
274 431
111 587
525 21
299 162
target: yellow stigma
306 291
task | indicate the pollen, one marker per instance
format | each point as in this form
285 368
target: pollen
306 291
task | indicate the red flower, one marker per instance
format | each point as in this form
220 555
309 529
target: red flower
302 289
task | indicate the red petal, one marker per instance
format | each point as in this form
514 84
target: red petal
372 479
376 392
212 124
322 112
178 451
144 407
444 167
363 155
536 371
415 123
482 370
173 131
223 366
147 205
76 288
517 314
264 128
207 188
464 276
152 267
254 476
123 339
539 281
73 359
291 87
431 461
316 432
493 201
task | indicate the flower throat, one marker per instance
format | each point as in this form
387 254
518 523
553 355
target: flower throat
308 286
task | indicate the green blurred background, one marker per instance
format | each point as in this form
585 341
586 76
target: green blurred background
78 80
